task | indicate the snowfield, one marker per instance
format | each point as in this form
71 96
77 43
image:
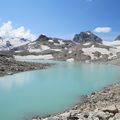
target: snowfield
34 50
44 47
113 43
89 51
70 60
34 57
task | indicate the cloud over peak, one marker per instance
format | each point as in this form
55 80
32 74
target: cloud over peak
103 29
7 30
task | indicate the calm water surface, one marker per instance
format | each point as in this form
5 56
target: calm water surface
51 90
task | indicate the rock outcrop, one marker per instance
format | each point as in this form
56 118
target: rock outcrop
88 36
43 38
10 66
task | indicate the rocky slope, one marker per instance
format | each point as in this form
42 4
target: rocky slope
8 65
45 43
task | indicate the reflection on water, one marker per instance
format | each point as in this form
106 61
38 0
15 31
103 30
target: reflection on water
7 82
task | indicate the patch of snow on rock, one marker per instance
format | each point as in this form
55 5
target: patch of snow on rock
34 50
70 60
44 47
34 57
56 44
92 49
88 43
51 41
70 52
57 50
61 42
113 43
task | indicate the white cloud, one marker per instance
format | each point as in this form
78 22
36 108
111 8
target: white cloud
103 29
7 30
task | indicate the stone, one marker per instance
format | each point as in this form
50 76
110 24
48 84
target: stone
86 115
112 118
72 118
111 109
117 115
96 118
97 54
101 115
118 54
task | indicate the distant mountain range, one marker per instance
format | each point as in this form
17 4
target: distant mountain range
84 46
83 37
10 43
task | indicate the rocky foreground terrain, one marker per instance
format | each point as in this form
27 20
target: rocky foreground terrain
8 65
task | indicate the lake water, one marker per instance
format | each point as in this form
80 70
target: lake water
52 90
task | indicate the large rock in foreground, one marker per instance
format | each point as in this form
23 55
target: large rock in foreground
88 36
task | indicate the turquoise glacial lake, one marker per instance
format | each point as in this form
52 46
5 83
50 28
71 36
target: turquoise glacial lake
51 90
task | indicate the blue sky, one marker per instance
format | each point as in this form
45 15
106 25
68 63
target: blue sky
63 18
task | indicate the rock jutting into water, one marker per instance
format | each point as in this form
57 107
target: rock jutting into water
10 66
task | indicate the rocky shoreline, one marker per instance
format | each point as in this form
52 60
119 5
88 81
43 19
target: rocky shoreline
100 105
10 66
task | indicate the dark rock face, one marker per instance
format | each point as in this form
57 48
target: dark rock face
97 54
1 39
8 44
118 37
88 36
8 53
24 40
56 43
20 48
42 38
